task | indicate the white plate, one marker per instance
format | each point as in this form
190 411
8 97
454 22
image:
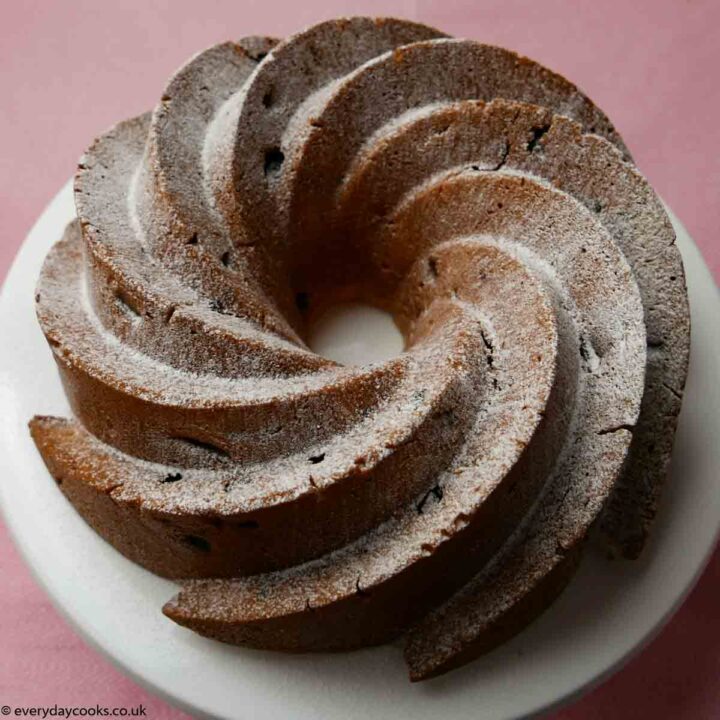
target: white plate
608 611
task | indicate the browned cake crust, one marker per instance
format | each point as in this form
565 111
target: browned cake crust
446 493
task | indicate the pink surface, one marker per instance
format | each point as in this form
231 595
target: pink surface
69 70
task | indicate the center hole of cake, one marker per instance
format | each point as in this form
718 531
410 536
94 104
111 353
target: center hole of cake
355 334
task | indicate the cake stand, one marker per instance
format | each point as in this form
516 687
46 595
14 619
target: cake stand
608 612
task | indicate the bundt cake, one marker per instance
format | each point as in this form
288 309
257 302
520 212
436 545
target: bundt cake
445 494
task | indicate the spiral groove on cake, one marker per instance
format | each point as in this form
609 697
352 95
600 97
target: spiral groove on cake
446 493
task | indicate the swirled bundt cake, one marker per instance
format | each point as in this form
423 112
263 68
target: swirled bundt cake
447 493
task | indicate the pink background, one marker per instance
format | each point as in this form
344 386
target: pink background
68 70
